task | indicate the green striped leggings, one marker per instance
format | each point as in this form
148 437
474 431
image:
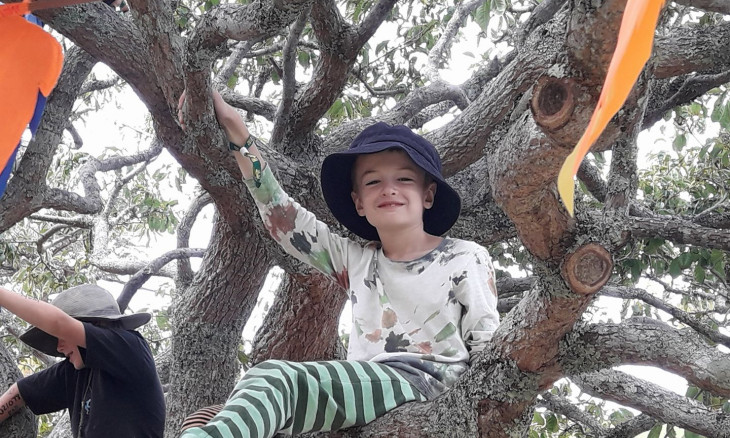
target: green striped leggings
295 397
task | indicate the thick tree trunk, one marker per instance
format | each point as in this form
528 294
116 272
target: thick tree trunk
208 320
303 321
22 424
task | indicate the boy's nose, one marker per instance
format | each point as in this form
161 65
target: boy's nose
389 189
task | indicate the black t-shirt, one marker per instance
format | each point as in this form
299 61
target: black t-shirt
118 394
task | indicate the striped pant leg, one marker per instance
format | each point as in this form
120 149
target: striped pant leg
293 397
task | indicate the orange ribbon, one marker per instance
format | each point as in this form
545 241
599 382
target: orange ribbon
635 40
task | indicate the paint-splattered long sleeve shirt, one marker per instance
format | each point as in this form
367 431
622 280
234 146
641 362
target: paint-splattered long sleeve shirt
432 313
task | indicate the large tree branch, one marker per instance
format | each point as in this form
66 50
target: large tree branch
670 93
479 128
184 271
705 328
679 231
693 49
591 37
719 6
250 22
628 429
647 341
152 268
260 107
289 79
543 12
338 51
437 54
256 20
563 406
340 44
164 46
124 49
639 394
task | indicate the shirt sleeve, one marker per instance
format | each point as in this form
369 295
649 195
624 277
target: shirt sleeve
45 391
300 233
477 293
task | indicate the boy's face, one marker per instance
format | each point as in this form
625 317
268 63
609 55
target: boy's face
71 352
391 191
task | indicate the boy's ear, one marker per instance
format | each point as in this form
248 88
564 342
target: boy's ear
430 195
358 204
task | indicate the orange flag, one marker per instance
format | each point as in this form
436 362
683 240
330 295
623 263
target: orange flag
30 62
635 40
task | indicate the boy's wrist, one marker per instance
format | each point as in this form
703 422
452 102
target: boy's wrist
256 168
246 144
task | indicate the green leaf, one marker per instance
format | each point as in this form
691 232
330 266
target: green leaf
552 423
679 142
692 392
685 260
162 321
725 118
336 110
674 269
482 14
671 433
699 274
655 431
232 81
303 58
537 418
688 434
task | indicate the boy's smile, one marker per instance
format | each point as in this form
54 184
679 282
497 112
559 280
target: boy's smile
390 190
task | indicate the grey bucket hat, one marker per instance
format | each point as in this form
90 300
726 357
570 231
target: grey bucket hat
88 303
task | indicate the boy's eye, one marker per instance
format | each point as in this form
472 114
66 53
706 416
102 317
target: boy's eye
405 178
371 182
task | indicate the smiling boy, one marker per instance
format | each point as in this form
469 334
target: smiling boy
108 381
422 305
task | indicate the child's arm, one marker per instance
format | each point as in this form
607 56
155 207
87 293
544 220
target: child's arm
291 225
235 129
237 133
44 316
10 402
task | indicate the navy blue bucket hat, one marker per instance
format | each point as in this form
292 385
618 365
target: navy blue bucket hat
336 179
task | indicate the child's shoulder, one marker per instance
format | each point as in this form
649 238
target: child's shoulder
460 246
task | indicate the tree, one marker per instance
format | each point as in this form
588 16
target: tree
335 67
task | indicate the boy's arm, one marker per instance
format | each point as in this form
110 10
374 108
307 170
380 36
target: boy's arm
235 130
44 316
10 402
237 133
